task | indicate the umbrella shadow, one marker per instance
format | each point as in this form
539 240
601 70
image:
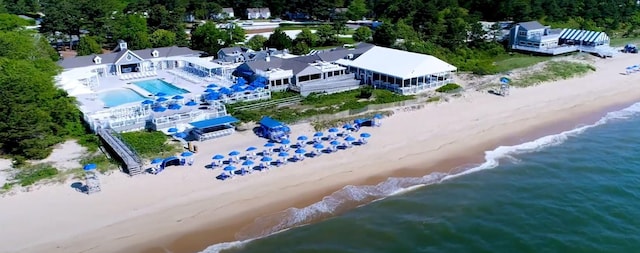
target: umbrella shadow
223 176
79 187
493 92
209 166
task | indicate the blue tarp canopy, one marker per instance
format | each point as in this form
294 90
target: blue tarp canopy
270 123
214 122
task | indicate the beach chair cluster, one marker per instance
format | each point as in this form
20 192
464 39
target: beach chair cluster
632 69
132 76
278 154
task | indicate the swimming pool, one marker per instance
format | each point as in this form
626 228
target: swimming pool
113 98
155 86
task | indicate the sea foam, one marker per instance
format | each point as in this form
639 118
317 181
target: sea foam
351 196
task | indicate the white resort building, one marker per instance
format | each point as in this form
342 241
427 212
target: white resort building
159 88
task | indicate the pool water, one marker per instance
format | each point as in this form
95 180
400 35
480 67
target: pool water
155 86
113 98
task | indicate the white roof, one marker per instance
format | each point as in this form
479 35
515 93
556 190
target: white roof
203 62
401 64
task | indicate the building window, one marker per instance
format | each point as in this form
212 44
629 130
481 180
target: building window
522 43
129 57
278 82
329 74
522 33
97 60
285 81
154 53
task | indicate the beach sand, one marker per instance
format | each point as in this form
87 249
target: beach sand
184 209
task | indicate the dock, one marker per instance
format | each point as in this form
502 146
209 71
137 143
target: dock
132 164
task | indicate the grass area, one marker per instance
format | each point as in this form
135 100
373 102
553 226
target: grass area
434 99
326 124
29 175
508 62
316 104
150 144
342 40
618 42
103 163
284 94
449 88
554 70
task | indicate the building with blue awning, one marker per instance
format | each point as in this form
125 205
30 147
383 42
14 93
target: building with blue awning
213 128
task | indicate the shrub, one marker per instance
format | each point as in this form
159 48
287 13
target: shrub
449 88
31 175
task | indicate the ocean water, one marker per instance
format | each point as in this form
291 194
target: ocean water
576 191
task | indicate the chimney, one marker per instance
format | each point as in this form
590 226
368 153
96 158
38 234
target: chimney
122 45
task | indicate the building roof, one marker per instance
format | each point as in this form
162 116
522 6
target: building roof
258 10
532 25
401 64
87 60
341 53
208 123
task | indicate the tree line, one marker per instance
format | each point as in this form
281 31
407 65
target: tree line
34 113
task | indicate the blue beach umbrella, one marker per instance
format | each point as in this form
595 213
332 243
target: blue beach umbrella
226 91
186 154
229 168
234 153
269 144
90 166
161 94
247 163
212 96
251 88
333 130
174 107
378 116
159 109
209 91
251 149
300 151
318 134
161 99
365 135
285 141
318 146
218 157
172 130
266 159
180 135
302 138
177 97
334 143
283 154
191 103
349 139
157 160
213 85
147 102
347 126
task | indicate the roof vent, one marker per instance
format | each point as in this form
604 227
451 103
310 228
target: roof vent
155 53
97 60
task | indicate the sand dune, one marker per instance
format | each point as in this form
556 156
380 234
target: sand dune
165 210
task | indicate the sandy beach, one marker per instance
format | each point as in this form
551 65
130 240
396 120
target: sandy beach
185 209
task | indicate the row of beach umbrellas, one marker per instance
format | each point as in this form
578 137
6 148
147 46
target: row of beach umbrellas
265 160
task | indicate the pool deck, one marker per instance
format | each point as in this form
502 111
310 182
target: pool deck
90 102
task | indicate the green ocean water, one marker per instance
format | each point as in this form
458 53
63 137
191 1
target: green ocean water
577 191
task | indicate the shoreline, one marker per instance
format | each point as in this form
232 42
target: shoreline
198 240
184 209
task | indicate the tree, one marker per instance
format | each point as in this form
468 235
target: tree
208 38
35 114
357 10
308 37
88 45
235 34
3 7
132 28
10 22
384 35
362 34
300 48
256 42
62 16
162 38
278 39
327 35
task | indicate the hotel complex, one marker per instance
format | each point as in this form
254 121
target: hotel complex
174 88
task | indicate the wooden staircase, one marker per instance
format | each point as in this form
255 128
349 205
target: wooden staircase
120 150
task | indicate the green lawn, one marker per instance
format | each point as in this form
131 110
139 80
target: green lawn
515 61
618 42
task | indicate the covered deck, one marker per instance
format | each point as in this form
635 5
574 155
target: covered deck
214 128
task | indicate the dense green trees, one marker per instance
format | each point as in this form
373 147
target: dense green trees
278 39
162 38
34 114
87 46
362 34
256 42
